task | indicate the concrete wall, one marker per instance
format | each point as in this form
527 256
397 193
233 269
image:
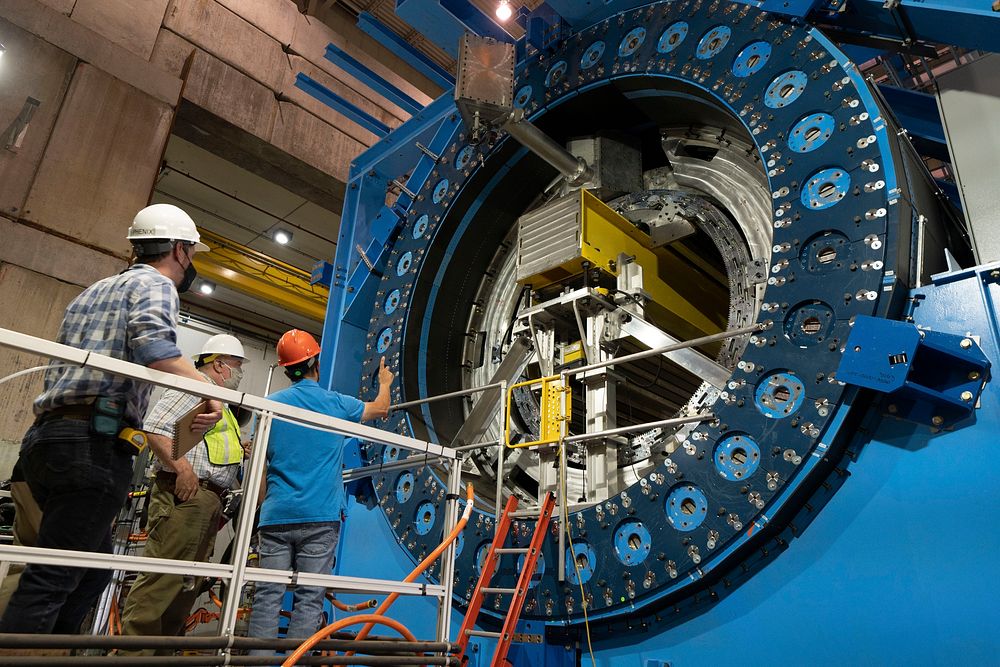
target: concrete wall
108 78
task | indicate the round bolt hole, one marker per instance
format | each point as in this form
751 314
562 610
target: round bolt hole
739 456
786 91
827 190
634 542
813 133
688 506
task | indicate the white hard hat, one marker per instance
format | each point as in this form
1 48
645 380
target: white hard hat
165 222
224 344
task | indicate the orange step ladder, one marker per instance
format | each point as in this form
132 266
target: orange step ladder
519 593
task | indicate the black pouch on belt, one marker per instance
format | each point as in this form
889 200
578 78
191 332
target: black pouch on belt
106 420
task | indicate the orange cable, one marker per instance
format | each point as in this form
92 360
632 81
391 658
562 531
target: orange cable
372 619
424 564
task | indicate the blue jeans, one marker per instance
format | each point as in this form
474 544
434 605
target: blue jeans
80 483
302 547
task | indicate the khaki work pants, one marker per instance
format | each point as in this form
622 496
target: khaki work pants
27 518
159 604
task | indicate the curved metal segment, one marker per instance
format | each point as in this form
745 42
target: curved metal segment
834 221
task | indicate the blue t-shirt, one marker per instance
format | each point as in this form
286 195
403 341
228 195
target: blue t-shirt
305 481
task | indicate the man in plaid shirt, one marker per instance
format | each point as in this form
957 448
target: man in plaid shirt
75 465
185 502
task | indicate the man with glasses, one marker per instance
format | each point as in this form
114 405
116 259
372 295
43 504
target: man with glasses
185 502
77 456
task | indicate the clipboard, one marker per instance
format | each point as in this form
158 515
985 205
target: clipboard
184 438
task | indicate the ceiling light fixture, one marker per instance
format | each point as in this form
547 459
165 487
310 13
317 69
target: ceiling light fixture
281 236
206 287
504 11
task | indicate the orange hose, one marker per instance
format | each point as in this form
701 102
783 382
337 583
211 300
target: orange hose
215 598
372 619
351 608
424 564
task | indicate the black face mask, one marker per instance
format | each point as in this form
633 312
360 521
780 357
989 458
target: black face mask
190 273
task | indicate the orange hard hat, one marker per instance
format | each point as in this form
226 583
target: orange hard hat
296 346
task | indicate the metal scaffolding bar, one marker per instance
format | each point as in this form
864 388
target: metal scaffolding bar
639 427
45 348
340 642
694 342
441 397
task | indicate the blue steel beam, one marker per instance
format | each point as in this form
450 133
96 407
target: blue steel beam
445 21
918 114
400 47
970 24
344 61
340 105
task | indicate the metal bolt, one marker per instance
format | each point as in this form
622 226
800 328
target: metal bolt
937 420
966 396
893 409
965 344
974 375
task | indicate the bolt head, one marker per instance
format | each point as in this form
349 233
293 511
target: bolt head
965 344
937 420
974 375
966 396
893 409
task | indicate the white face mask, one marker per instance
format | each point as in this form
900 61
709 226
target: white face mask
235 376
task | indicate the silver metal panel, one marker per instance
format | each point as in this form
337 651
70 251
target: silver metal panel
969 101
548 237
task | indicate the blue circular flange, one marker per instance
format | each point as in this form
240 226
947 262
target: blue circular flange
583 559
809 323
539 569
810 132
404 263
522 96
713 41
404 487
384 339
420 226
391 302
423 518
785 89
556 73
779 395
390 453
480 557
751 59
592 55
440 190
826 252
672 37
631 42
464 157
459 544
737 457
826 188
632 542
686 507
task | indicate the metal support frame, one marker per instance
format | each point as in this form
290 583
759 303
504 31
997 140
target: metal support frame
236 573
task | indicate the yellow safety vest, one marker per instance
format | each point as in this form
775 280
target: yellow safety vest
223 441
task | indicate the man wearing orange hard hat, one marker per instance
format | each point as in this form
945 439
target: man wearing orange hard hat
305 503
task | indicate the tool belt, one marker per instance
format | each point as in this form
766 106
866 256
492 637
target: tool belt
170 479
128 440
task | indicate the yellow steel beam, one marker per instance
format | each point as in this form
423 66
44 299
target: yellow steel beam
251 272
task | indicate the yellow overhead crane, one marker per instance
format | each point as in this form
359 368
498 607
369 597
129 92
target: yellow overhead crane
251 272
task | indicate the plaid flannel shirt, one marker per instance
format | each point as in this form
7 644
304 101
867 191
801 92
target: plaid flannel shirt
173 405
131 316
